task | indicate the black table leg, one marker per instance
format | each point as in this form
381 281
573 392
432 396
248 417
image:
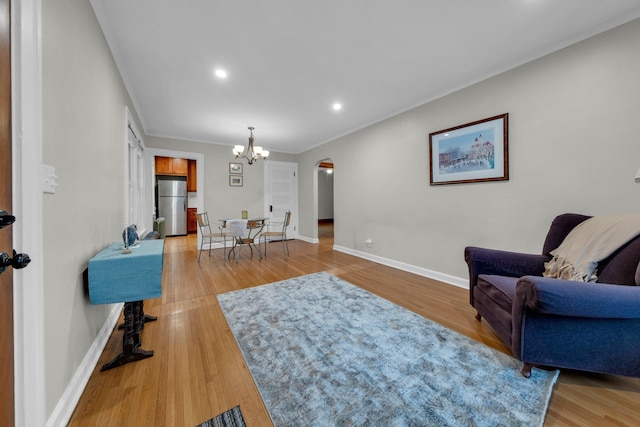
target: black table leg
131 351
147 318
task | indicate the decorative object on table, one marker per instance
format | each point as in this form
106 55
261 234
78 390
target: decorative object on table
473 152
252 153
130 237
235 168
231 418
245 214
325 352
235 180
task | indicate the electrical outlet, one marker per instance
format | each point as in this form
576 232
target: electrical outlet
369 243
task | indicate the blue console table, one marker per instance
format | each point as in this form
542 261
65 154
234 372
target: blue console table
130 278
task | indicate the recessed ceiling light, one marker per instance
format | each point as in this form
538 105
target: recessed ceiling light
337 106
221 73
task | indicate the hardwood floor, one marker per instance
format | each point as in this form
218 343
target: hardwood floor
197 370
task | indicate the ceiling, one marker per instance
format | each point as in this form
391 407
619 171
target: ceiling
289 61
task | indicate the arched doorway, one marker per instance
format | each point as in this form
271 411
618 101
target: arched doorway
325 199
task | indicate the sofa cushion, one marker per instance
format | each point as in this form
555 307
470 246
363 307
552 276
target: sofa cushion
493 300
560 227
501 289
620 268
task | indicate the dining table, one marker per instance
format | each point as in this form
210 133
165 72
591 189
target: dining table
244 232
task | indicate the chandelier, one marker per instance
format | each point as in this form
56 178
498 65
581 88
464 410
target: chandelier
251 153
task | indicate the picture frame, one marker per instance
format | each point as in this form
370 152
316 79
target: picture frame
235 180
473 152
235 168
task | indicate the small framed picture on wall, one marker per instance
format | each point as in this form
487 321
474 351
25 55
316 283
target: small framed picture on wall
235 168
235 180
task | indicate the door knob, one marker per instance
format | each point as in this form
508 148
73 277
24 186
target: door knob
18 261
6 219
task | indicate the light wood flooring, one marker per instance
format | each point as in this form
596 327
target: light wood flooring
198 372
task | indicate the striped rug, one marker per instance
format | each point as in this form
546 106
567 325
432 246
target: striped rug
230 418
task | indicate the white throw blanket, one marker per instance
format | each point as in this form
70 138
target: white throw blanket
588 243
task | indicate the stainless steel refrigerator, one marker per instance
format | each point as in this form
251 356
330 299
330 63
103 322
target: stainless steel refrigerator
172 205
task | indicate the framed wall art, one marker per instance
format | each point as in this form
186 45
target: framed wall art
235 180
473 152
235 168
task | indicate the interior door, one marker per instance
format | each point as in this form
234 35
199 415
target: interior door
281 183
6 242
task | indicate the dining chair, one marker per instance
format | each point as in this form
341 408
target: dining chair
281 233
241 230
206 233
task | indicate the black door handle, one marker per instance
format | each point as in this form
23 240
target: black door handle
6 219
18 261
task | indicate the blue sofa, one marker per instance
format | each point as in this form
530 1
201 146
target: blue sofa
559 323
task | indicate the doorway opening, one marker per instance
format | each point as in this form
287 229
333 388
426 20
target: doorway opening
325 201
195 199
176 195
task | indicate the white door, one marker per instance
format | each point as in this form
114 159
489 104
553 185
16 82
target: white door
281 193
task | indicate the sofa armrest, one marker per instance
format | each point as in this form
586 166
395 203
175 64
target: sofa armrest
576 299
502 263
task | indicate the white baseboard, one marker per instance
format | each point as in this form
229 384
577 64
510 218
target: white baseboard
69 400
424 272
315 241
431 274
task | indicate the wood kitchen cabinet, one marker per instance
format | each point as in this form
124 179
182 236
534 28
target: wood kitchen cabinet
171 166
192 221
192 177
163 165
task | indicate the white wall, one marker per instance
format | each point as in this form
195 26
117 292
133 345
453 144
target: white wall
83 138
573 147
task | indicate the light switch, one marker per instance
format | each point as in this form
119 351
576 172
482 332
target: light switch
49 179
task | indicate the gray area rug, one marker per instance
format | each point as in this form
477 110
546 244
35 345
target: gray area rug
231 418
324 353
